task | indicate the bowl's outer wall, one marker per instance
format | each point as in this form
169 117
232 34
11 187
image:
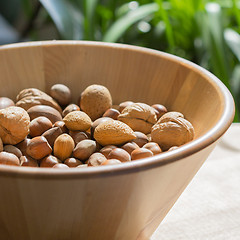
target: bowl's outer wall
130 204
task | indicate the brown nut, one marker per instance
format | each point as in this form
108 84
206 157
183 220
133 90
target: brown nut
82 166
63 146
172 130
124 104
31 96
70 108
52 134
77 121
49 161
160 110
84 149
23 145
61 124
60 166
120 154
139 116
78 136
113 133
26 161
6 102
9 159
173 148
141 139
14 125
1 145
140 153
38 148
95 100
107 149
61 93
12 149
72 162
111 162
38 126
97 122
96 159
130 146
112 113
153 147
45 111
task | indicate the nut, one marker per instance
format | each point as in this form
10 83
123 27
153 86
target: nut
6 102
97 122
153 147
173 148
160 110
72 162
9 159
12 149
44 111
38 126
113 133
23 145
31 96
63 146
1 145
82 166
26 161
124 104
61 124
112 113
140 153
70 108
14 125
119 154
96 159
139 116
95 100
141 139
84 149
49 161
38 147
52 134
78 136
111 162
107 149
60 166
172 130
61 94
77 121
130 146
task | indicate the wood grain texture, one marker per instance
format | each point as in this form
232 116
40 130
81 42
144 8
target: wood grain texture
114 202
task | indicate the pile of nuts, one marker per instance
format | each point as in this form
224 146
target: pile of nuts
42 130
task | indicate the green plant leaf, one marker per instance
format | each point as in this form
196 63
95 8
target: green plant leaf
66 17
120 26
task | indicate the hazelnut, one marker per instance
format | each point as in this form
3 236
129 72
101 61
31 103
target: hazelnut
23 145
160 110
111 162
63 146
9 159
60 166
12 149
1 145
38 126
153 147
61 124
78 136
141 139
72 162
52 134
111 113
107 149
130 146
38 147
49 161
70 108
6 102
61 93
124 104
140 153
26 161
84 149
14 125
95 100
82 166
119 154
173 148
96 159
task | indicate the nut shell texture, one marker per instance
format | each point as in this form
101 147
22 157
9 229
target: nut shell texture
14 125
139 116
113 133
95 100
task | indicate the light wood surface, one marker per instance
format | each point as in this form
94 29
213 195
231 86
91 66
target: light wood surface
114 202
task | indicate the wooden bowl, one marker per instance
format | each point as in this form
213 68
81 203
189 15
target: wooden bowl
126 201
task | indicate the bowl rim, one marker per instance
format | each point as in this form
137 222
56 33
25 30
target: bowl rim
184 151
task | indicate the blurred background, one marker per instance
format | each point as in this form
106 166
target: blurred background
204 32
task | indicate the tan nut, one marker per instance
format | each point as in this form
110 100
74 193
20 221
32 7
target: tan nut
70 108
97 122
84 149
14 125
153 147
38 126
96 159
172 130
12 149
38 148
6 102
77 121
95 100
63 146
113 133
140 153
9 159
61 93
124 104
139 116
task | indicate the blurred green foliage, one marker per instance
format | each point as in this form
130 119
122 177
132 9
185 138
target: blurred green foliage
204 32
